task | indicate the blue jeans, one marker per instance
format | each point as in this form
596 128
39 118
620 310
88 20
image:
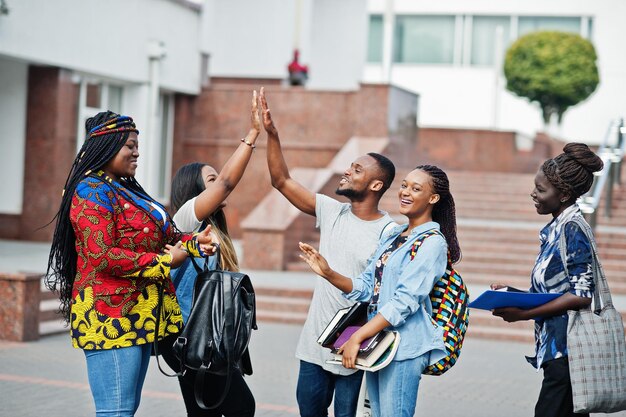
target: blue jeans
116 377
392 391
316 387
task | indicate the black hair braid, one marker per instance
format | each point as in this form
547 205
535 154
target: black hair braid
572 171
444 211
62 261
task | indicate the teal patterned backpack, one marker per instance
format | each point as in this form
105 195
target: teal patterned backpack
449 299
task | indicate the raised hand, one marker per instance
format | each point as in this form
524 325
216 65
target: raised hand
268 123
255 119
207 240
316 261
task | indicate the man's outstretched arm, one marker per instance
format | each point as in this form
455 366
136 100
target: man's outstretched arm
297 194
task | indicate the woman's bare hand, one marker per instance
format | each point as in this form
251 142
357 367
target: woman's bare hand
178 254
268 123
255 119
208 241
318 264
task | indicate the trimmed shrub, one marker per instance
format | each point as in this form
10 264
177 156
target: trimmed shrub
555 69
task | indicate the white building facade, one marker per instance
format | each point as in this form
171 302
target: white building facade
451 53
123 56
133 57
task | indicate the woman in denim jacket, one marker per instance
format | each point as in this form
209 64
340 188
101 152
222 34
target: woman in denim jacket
397 283
558 183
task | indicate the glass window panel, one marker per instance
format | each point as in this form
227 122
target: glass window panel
115 99
424 39
484 38
164 146
590 29
375 39
529 24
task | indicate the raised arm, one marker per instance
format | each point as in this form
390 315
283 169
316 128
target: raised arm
216 192
297 195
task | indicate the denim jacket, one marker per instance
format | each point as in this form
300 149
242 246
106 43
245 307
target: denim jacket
404 294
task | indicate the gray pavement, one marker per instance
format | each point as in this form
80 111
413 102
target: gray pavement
48 377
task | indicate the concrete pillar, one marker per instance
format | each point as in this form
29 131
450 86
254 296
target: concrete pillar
19 311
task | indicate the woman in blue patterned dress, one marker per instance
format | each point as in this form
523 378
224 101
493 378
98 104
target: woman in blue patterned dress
558 183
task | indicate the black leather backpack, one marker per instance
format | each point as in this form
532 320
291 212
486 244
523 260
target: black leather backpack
216 336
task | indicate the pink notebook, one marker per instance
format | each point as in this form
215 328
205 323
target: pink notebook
349 331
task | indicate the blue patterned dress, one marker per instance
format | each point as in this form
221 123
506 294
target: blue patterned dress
549 276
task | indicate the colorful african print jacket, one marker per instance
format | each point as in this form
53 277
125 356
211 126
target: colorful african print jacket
120 236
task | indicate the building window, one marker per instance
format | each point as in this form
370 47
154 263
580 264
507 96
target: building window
529 24
589 29
424 39
375 39
115 98
462 39
485 34
164 157
96 97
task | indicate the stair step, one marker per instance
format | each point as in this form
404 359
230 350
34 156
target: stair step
298 266
485 279
51 327
280 317
497 333
496 268
505 257
485 318
283 304
284 292
48 310
48 295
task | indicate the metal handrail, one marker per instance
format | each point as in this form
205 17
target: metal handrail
612 152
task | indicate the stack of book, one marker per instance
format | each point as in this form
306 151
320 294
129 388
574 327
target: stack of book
355 315
379 355
375 352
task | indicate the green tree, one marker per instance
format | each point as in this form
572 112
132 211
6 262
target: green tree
556 69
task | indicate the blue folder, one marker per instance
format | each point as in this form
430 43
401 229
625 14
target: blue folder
491 299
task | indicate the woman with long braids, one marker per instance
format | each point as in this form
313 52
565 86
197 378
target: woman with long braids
112 250
198 196
397 283
558 183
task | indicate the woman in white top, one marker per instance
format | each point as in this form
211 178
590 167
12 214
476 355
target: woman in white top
198 196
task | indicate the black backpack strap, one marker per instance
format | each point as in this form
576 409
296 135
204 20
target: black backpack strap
228 339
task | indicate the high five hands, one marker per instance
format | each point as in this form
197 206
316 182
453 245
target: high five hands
268 123
255 120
